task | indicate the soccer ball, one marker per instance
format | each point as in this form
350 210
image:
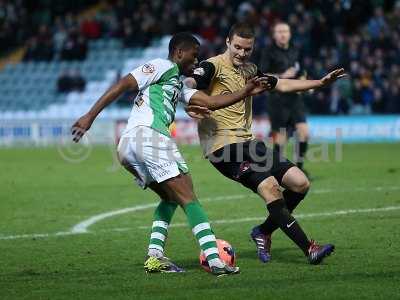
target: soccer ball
226 253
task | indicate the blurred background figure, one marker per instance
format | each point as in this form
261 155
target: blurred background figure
70 81
102 38
286 111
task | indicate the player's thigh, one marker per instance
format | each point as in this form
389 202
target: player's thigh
295 180
234 162
160 191
257 163
164 161
269 161
134 164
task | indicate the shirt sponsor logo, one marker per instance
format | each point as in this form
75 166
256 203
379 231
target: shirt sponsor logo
148 68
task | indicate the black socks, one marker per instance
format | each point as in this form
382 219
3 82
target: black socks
281 216
292 200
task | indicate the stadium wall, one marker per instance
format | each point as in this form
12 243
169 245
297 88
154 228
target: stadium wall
347 129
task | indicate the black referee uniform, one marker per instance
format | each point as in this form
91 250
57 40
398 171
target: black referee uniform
284 110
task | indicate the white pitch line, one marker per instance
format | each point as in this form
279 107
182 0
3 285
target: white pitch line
299 216
223 221
83 226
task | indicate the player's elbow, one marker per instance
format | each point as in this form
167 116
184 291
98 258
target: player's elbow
190 82
127 83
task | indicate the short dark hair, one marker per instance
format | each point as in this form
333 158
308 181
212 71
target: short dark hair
183 40
242 29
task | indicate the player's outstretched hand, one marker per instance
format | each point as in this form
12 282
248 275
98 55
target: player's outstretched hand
80 127
333 76
197 112
258 85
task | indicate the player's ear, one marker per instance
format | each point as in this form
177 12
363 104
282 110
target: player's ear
228 42
179 53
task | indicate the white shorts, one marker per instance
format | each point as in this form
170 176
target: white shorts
150 156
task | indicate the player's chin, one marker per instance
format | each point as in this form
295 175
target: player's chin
238 62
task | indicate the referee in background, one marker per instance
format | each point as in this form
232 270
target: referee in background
286 111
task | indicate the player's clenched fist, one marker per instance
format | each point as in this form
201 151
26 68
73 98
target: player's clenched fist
258 85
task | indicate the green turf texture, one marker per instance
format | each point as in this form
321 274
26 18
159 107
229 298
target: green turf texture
40 192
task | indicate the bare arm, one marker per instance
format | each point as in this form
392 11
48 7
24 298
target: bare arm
216 102
253 87
124 84
85 122
299 85
296 85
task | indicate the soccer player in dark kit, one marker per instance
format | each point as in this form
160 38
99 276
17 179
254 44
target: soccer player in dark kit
229 145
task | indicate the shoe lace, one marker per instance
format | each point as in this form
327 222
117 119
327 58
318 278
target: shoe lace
153 264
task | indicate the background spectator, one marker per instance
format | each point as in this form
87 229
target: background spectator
363 36
69 81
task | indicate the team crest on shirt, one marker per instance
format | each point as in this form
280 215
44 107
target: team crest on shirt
139 102
148 68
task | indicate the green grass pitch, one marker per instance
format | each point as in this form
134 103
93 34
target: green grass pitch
42 193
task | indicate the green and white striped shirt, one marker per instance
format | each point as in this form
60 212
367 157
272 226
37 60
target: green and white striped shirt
160 89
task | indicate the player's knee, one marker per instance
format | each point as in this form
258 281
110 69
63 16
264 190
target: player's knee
269 189
179 189
303 137
302 186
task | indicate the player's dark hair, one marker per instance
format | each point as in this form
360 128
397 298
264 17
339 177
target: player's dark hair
182 40
242 29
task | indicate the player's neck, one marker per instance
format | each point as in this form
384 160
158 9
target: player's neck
227 59
171 59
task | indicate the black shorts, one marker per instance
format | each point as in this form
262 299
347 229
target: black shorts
250 163
285 112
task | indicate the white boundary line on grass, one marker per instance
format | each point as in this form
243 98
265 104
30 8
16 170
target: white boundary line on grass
223 221
82 227
297 216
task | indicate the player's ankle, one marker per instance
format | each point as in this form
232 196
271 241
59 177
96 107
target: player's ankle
155 253
216 262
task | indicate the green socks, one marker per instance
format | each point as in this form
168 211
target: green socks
159 231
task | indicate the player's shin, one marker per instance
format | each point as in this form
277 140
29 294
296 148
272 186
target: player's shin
292 200
201 228
300 154
159 230
280 215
